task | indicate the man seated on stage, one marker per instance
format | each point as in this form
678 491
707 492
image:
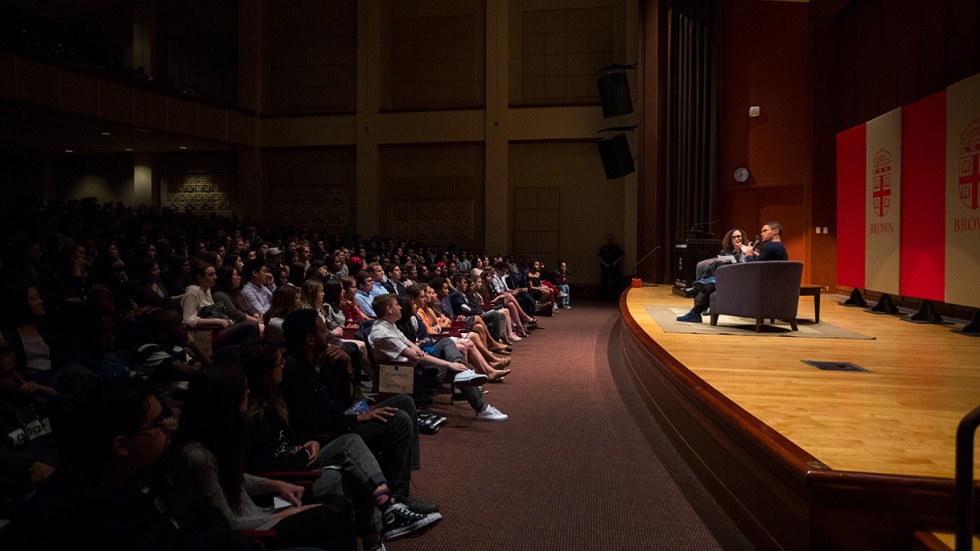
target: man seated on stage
771 249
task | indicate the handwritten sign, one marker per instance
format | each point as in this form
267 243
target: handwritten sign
397 379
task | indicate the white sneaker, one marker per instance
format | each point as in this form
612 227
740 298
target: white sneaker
469 378
554 308
491 413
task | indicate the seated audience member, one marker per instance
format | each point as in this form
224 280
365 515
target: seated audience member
476 354
108 285
389 344
91 346
28 452
312 296
393 283
352 311
333 316
285 300
282 276
273 446
317 270
476 290
228 292
462 305
498 292
210 445
500 288
177 278
258 291
147 291
380 286
36 345
560 279
452 349
115 488
409 274
297 274
444 305
365 293
317 387
771 249
539 287
24 264
75 271
335 265
165 358
198 310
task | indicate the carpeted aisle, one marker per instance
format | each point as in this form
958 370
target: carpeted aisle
579 465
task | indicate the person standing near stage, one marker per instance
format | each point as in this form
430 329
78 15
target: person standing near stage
610 269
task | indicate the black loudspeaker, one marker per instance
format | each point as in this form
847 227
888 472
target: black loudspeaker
614 92
617 160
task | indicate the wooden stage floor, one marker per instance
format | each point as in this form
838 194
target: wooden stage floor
898 419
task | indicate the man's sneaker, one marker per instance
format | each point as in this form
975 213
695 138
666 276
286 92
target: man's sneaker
400 521
691 317
469 378
417 505
490 413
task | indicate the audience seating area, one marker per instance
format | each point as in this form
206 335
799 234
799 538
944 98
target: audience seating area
98 292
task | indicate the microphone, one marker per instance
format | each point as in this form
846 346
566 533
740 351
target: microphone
635 278
706 224
655 249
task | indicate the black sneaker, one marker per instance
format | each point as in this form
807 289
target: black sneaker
417 505
400 521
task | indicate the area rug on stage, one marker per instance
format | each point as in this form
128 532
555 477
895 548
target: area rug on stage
666 318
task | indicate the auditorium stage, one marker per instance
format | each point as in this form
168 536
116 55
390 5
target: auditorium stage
803 457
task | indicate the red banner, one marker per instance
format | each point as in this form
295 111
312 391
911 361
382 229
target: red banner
923 269
851 206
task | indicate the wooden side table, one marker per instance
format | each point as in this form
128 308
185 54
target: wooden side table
812 290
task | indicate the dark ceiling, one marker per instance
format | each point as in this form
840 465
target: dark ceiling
26 128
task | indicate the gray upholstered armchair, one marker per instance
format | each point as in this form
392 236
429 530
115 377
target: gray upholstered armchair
758 290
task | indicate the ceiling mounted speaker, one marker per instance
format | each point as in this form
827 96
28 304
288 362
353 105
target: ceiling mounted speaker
617 160
614 93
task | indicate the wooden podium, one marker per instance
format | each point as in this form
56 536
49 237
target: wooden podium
686 256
